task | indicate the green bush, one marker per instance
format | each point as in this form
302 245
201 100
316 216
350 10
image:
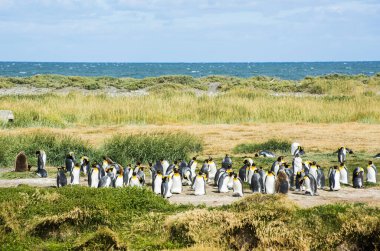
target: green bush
55 146
151 147
275 145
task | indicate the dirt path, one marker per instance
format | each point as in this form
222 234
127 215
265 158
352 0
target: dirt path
213 198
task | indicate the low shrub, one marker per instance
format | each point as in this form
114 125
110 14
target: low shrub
276 145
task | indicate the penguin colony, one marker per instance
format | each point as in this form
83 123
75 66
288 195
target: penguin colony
170 178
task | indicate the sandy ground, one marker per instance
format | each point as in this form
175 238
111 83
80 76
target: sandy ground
213 198
222 138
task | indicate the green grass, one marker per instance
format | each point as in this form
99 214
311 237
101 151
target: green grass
275 145
137 219
122 148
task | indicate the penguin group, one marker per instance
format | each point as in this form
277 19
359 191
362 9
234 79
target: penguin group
168 178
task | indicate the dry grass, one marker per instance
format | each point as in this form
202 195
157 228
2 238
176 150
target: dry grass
222 138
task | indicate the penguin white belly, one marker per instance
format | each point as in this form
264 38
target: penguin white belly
212 172
307 186
230 183
337 181
170 185
270 184
237 188
224 188
76 174
294 147
134 182
193 169
157 184
343 176
199 186
313 171
249 176
297 165
276 168
371 175
165 166
177 184
95 178
119 181
108 182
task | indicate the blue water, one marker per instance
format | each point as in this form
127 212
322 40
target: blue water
293 71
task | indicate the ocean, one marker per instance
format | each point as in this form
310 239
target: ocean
291 71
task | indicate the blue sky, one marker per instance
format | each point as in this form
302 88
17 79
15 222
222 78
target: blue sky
189 30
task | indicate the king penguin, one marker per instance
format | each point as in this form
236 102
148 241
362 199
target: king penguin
270 183
237 186
358 177
94 178
243 172
334 179
166 187
276 165
41 163
342 154
135 180
107 180
313 169
199 185
256 182
75 174
309 182
70 162
320 178
193 167
177 182
212 169
85 164
226 161
61 177
157 182
223 182
371 172
119 179
282 183
343 173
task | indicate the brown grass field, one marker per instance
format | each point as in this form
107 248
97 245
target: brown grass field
220 139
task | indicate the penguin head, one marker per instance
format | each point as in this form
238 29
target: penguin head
194 158
159 172
256 155
38 152
370 162
134 174
175 162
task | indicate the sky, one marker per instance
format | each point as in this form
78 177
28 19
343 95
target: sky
189 30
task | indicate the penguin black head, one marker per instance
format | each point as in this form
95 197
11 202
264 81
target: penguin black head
229 166
335 167
150 164
161 159
176 170
209 158
256 155
159 172
206 161
38 152
175 162
194 158
369 162
341 164
134 173
200 173
297 155
232 174
138 163
279 158
314 163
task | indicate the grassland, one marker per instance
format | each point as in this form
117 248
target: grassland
135 219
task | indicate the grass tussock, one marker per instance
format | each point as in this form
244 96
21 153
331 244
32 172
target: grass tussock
275 145
137 219
153 146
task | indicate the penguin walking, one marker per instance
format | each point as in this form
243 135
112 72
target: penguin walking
61 177
256 182
94 178
334 179
282 183
70 162
270 183
237 186
177 182
358 177
157 182
212 169
166 187
342 154
75 175
199 185
343 173
371 172
41 163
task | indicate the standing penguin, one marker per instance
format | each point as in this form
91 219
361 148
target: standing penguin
310 184
127 173
61 177
212 169
165 165
205 169
41 163
157 182
282 183
75 174
135 180
320 178
358 177
294 146
94 177
237 186
276 165
219 172
119 179
342 154
256 182
313 169
343 173
243 172
223 182
199 185
186 176
263 175
226 162
107 180
141 175
334 179
85 164
299 178
177 182
166 187
270 183
193 167
371 172
70 162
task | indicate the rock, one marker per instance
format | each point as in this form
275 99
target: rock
21 163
